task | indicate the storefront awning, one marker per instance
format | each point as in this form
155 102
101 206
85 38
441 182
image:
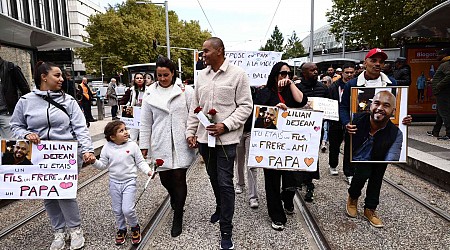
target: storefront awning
434 23
18 33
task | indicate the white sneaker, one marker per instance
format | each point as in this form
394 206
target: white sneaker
333 171
238 189
349 179
76 238
254 203
59 242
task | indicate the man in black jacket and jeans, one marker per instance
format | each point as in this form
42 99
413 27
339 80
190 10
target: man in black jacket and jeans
311 87
12 82
336 129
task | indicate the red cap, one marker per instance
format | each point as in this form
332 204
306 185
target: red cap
376 51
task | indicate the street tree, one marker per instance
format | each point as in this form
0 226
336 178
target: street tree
371 23
126 31
293 47
275 42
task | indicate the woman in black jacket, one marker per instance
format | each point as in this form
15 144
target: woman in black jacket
282 92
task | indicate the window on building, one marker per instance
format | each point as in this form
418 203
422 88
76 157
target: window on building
56 16
13 11
47 18
26 11
64 17
37 13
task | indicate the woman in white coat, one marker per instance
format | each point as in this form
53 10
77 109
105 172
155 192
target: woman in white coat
162 134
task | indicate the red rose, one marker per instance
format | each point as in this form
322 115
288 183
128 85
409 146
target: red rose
159 162
212 112
197 110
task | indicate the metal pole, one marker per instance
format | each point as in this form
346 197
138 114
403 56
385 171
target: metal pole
101 67
166 6
179 67
343 44
311 40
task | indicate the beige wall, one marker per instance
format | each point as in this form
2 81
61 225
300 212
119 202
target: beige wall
19 57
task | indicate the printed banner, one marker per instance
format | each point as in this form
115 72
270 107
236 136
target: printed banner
257 64
287 140
45 171
329 107
131 116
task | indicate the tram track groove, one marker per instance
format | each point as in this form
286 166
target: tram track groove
152 225
311 222
441 213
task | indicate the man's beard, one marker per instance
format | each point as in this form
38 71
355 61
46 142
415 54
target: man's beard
379 116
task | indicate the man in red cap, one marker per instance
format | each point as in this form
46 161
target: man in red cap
373 172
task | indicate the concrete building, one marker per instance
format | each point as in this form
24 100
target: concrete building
323 40
32 30
79 13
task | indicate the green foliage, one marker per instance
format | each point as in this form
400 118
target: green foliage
293 48
275 42
374 21
126 32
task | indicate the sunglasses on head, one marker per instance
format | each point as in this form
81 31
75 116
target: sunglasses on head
285 73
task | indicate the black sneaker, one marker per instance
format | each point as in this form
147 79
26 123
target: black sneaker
277 225
136 235
226 242
433 134
309 196
120 237
215 217
289 210
444 138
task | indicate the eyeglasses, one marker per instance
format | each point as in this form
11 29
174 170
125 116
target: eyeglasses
285 73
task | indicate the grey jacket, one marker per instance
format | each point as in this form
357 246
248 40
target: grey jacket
162 130
33 114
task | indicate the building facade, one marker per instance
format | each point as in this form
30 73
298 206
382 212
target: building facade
323 40
79 13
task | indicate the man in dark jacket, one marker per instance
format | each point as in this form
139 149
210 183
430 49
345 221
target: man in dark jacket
12 85
336 129
311 87
402 72
441 89
373 172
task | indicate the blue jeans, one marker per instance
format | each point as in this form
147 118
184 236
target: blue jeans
220 171
5 128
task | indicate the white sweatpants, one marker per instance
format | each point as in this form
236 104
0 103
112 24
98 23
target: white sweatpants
123 196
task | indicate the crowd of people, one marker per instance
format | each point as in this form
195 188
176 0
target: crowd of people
171 130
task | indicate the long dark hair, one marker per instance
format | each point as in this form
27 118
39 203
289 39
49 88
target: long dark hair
164 62
273 76
41 68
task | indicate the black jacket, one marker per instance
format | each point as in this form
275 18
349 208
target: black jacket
313 89
403 76
13 83
334 94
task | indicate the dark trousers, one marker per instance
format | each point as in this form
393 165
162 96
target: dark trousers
349 168
373 172
86 105
114 109
335 138
175 182
272 180
443 108
219 166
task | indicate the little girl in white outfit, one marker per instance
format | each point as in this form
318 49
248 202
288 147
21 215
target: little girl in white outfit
122 157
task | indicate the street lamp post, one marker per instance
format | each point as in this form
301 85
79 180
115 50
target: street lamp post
343 41
311 39
190 49
166 7
101 63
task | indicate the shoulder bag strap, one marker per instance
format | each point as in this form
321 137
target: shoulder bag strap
50 100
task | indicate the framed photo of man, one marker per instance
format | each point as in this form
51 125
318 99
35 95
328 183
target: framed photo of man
377 113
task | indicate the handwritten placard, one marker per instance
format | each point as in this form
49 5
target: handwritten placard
131 116
52 175
329 107
257 64
287 140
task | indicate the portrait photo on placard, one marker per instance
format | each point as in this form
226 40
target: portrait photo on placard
127 111
266 117
16 152
378 114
